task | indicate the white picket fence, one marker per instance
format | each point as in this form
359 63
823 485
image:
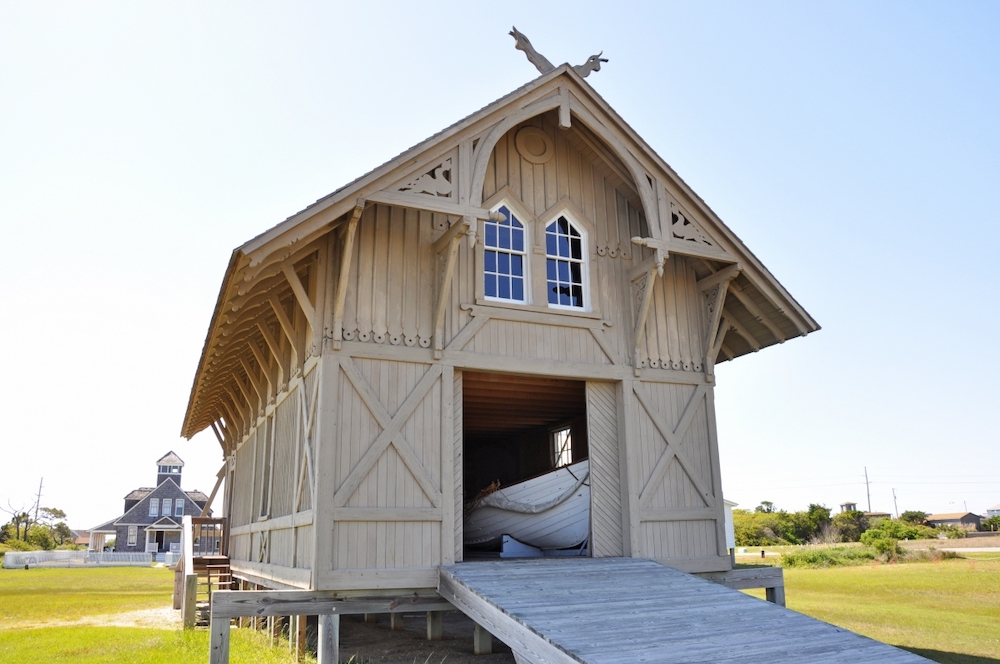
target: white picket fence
23 559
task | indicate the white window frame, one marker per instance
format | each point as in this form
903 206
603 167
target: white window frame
167 506
583 261
133 535
154 507
179 507
562 457
525 254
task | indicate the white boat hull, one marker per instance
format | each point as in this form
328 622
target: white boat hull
563 525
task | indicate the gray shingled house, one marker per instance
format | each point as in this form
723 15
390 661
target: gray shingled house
152 518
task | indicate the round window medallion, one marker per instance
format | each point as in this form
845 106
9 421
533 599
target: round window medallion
534 145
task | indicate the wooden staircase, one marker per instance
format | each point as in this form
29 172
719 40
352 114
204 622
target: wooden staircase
213 574
202 570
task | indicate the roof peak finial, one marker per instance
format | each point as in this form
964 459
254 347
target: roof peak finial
522 43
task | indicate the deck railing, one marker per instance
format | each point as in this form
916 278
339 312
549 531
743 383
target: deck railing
201 537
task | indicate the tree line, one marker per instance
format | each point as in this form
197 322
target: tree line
35 529
767 525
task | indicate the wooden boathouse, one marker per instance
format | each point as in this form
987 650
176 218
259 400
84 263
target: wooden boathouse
535 271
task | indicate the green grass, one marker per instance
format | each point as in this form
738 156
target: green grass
35 605
30 597
113 645
947 611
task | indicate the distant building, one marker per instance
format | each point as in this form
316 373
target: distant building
878 515
993 511
151 522
81 537
964 520
848 507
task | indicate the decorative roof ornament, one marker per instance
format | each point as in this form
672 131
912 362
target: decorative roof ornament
542 63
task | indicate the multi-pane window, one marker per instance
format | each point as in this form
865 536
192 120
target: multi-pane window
154 507
562 447
564 264
179 508
166 507
133 535
504 256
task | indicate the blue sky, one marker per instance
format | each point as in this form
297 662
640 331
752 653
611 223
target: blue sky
853 146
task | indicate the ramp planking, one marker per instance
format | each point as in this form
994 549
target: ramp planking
611 610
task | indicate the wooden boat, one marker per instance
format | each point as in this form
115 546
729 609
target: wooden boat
550 511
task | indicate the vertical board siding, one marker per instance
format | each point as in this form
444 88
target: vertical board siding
304 547
605 475
661 538
286 436
458 466
282 547
532 341
390 483
241 513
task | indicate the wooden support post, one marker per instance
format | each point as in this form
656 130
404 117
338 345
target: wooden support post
435 625
328 641
482 641
371 617
301 623
190 595
218 649
345 272
396 622
271 624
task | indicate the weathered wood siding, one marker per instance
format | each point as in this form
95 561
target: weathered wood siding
388 502
606 513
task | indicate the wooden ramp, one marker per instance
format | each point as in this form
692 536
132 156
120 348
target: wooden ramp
604 610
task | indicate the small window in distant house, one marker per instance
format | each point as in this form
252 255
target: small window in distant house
154 507
166 507
562 447
565 266
133 535
164 469
179 508
175 469
504 259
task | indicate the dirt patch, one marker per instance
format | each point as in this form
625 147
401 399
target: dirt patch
162 618
376 642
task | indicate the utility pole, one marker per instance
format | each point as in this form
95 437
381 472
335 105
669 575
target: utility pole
38 502
894 503
868 489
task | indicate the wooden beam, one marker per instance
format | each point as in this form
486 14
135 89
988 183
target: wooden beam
743 332
262 361
271 342
640 318
218 482
301 296
755 311
328 639
444 293
236 603
428 203
286 327
261 392
564 116
345 273
725 274
460 227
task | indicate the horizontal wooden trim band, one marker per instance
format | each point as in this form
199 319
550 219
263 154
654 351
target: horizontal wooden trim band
236 603
683 514
280 523
387 514
375 579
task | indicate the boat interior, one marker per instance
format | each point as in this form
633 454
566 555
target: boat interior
518 427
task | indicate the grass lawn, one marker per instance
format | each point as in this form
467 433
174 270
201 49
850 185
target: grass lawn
947 611
37 604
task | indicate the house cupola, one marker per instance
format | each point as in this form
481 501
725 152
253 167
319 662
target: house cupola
169 466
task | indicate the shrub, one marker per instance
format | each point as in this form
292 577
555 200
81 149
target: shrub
16 545
834 556
886 547
951 532
898 530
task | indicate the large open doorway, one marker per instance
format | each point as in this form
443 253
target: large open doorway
520 428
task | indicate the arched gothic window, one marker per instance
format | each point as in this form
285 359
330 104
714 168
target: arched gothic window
564 265
504 259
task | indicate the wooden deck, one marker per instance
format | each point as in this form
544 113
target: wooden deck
610 610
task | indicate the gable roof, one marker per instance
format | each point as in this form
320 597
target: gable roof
951 516
766 305
170 459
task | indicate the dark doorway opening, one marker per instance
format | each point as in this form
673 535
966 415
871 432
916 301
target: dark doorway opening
519 427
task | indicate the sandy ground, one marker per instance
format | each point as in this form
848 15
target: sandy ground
375 642
162 618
